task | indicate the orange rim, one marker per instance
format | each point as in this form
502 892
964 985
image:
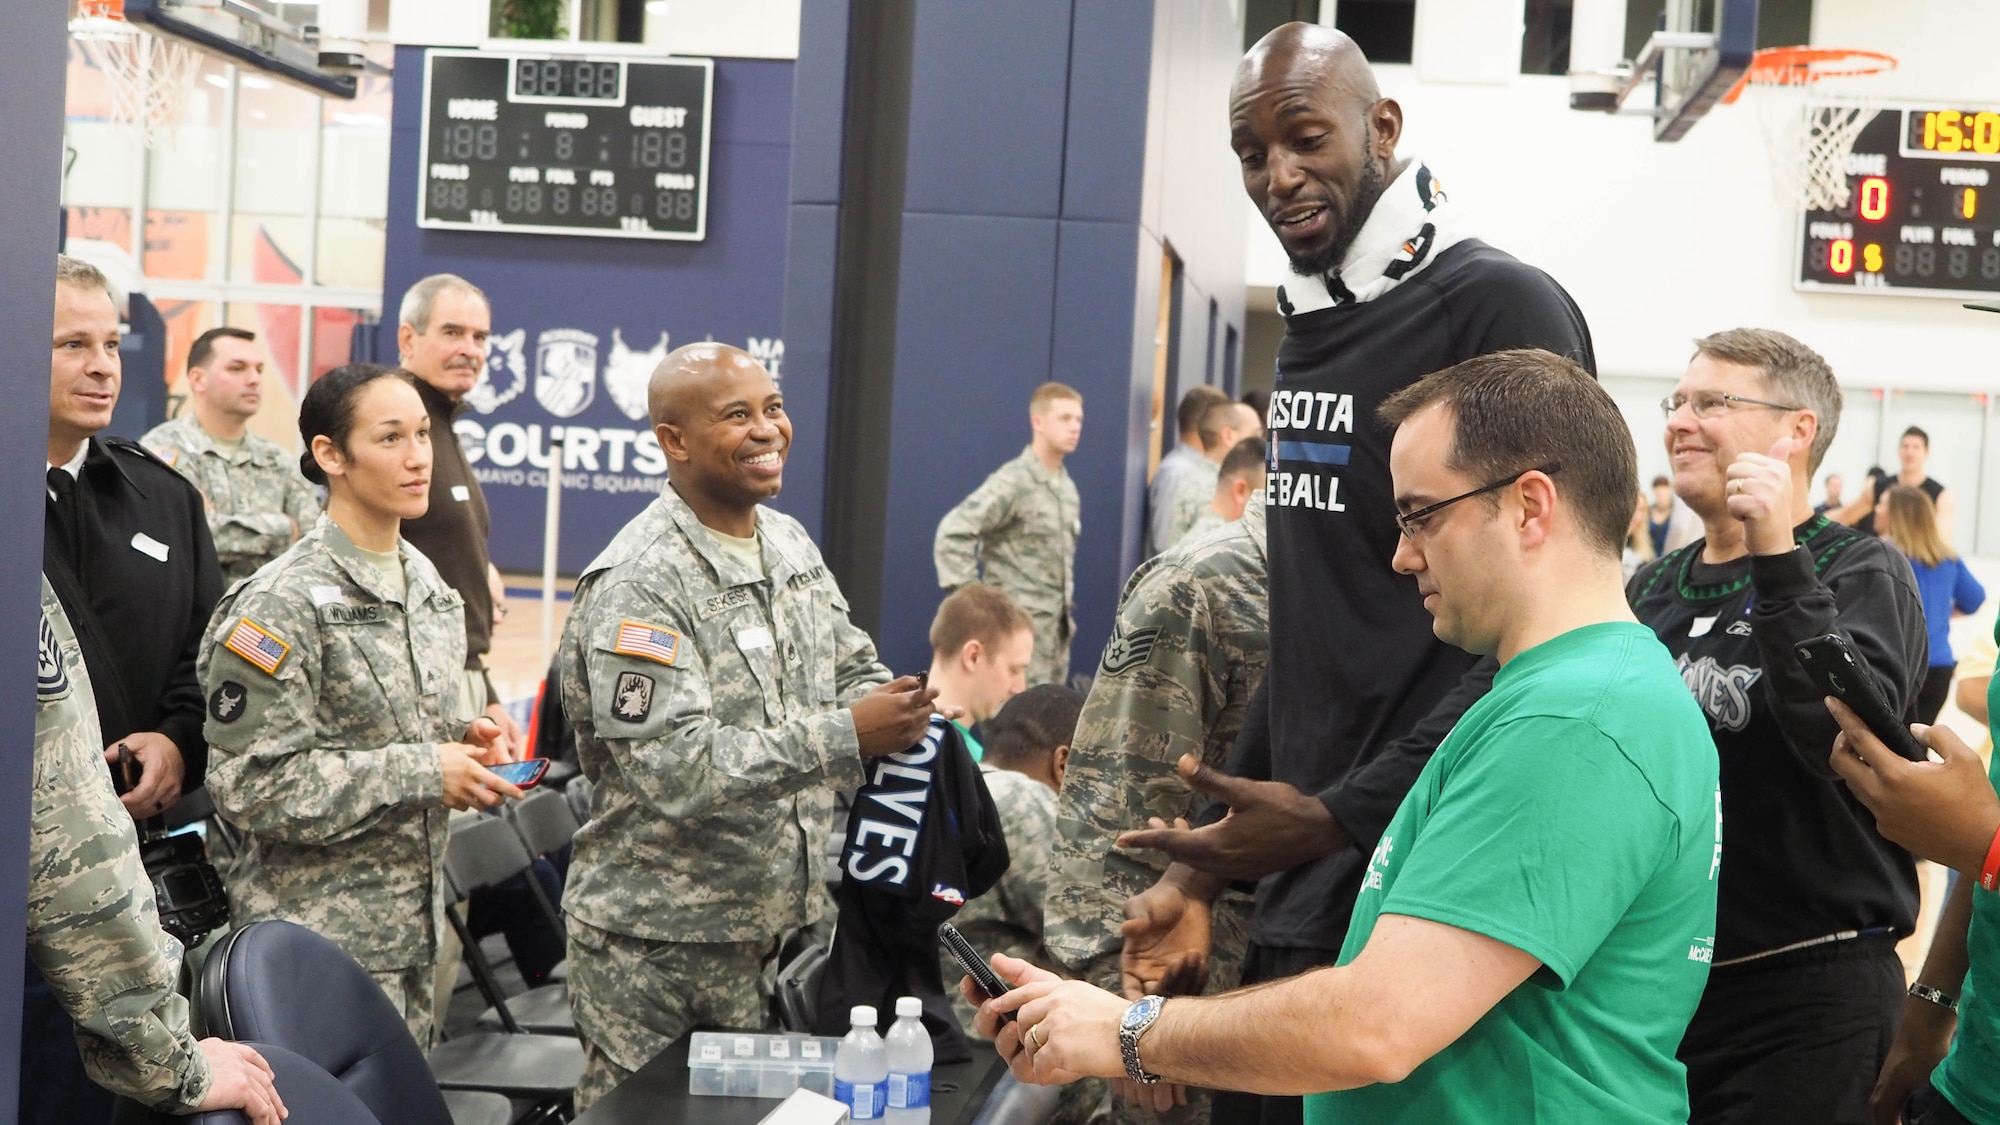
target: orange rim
101 10
1803 66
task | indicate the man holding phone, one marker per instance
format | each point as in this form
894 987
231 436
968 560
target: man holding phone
721 697
1806 986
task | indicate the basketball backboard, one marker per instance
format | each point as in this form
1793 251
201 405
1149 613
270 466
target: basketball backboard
302 44
1696 54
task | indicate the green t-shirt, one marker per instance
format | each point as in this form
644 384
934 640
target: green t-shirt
1969 1077
972 745
1573 813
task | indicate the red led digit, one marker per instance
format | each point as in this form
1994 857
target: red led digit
1874 199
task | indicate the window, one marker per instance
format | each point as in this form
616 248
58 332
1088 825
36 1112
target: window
1545 36
1383 29
1261 17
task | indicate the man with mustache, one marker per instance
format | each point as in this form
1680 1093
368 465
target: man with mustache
1392 285
256 500
441 338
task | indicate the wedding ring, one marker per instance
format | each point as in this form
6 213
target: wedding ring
1035 1033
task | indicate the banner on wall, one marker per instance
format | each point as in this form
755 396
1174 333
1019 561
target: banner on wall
575 395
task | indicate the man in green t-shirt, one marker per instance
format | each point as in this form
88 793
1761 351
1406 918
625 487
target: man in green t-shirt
1534 929
981 644
1944 1066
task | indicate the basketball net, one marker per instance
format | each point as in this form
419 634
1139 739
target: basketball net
1813 103
150 77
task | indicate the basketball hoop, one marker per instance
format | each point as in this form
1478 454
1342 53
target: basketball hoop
150 77
1814 101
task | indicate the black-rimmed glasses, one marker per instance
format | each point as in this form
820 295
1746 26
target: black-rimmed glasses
1411 524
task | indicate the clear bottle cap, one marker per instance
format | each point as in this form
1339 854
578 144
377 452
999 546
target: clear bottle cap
909 1006
863 1015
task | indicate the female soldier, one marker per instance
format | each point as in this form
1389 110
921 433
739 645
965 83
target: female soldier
332 680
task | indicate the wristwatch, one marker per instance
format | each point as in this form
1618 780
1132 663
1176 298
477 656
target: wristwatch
1920 991
1131 1026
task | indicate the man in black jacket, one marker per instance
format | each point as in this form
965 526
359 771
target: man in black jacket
126 547
1806 987
1392 286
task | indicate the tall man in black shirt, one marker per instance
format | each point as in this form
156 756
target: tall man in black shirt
1393 285
1805 988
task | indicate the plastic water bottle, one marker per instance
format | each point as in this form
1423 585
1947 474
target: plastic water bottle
861 1068
909 1065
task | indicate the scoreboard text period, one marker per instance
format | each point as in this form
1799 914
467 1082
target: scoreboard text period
1923 209
614 147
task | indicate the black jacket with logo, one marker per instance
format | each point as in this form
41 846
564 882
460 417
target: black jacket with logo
1800 856
137 550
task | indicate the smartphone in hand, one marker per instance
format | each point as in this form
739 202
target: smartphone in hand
975 966
521 775
1838 671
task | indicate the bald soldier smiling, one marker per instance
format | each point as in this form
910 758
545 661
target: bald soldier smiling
720 696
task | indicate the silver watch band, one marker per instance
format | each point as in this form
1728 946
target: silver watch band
1927 993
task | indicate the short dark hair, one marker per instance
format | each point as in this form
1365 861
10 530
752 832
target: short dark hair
328 408
1660 480
203 348
1196 400
977 612
1790 369
1219 416
1031 725
1258 399
1518 410
1918 433
1244 460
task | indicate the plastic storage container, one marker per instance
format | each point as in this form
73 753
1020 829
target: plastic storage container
754 1065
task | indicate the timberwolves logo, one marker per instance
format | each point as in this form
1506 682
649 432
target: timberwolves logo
565 371
505 375
51 678
1724 693
628 372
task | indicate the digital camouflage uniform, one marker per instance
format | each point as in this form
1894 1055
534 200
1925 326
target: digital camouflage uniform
1187 653
327 697
1020 527
93 927
1008 917
710 710
1194 495
254 495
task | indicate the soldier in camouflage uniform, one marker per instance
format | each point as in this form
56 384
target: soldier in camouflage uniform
1020 527
1027 750
1188 651
1223 425
258 504
333 707
93 926
1240 477
720 698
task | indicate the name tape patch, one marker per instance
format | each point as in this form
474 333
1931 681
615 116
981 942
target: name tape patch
736 597
651 642
257 645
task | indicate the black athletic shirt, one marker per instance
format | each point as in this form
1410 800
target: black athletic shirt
1354 665
1800 856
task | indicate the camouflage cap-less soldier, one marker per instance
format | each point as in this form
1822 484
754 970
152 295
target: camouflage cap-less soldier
709 698
93 925
1020 527
1188 651
328 692
258 503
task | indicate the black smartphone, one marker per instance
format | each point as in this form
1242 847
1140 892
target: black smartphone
522 775
923 679
968 959
1838 672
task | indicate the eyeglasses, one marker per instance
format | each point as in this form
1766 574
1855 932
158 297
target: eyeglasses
1411 524
1708 404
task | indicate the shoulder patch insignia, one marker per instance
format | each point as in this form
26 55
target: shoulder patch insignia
1129 650
649 642
735 597
169 454
632 700
258 645
51 678
225 703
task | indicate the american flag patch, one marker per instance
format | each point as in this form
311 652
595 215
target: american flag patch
636 638
255 644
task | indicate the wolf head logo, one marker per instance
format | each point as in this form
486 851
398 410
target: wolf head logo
628 371
505 375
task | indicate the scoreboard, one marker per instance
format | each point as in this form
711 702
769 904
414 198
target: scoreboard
565 144
1923 211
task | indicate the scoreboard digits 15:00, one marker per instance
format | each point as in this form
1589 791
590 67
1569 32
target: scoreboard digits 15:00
1923 213
565 145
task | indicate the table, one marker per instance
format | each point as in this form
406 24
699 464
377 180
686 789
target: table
657 1094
